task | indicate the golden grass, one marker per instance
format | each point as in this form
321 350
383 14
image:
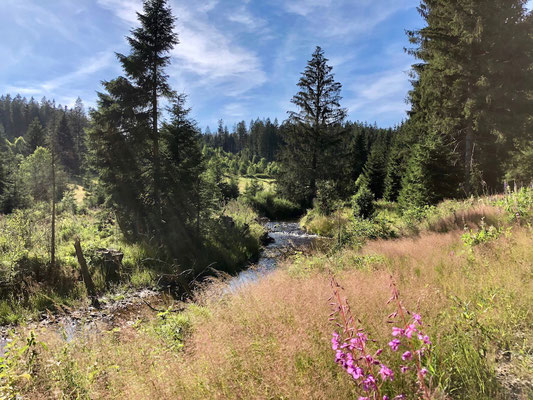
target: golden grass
271 340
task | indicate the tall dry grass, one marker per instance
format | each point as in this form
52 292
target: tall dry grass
271 340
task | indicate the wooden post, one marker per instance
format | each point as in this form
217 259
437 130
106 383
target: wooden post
91 290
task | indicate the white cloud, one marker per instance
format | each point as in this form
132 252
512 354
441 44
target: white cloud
376 94
346 17
206 53
87 68
124 9
244 17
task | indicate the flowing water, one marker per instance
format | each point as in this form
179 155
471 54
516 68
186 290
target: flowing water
285 237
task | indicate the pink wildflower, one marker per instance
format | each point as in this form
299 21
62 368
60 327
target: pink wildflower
369 383
386 373
417 318
410 330
407 355
397 331
335 341
423 372
358 373
404 369
394 344
426 339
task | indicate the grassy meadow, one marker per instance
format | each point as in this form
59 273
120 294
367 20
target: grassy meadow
272 339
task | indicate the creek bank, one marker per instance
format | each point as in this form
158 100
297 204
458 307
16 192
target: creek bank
281 239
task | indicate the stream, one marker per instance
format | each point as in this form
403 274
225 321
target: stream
284 238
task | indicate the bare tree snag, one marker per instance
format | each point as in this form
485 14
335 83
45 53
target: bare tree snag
91 290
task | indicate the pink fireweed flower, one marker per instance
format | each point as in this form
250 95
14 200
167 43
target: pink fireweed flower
335 341
369 383
362 337
397 331
404 369
426 340
386 373
385 397
339 356
394 344
410 330
357 373
417 318
407 355
363 398
423 372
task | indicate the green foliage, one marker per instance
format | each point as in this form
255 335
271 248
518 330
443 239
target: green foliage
518 205
431 175
363 201
327 197
269 205
484 235
16 364
471 89
313 136
35 177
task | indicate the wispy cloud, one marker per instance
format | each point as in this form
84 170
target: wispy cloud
205 52
375 94
87 67
346 17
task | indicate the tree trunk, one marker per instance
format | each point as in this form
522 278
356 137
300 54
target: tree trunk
469 139
155 136
91 290
53 239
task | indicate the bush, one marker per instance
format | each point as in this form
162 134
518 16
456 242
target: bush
327 197
269 205
363 203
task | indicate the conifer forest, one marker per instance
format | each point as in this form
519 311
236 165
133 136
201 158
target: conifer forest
303 246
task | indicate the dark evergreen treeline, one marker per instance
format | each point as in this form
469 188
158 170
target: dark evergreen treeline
469 129
33 121
260 139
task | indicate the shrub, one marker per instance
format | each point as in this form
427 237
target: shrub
271 206
327 197
363 202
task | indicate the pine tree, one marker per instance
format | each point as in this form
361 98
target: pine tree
35 136
145 67
431 174
66 146
313 134
473 81
126 132
374 170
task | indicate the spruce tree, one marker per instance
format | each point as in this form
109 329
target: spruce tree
374 170
145 68
126 131
66 146
313 134
473 82
35 136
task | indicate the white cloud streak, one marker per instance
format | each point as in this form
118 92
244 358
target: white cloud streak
205 53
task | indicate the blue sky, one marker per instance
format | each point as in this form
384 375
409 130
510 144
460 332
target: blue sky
238 59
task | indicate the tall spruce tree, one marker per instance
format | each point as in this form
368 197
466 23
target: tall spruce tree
473 82
145 67
66 145
313 134
126 130
35 135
